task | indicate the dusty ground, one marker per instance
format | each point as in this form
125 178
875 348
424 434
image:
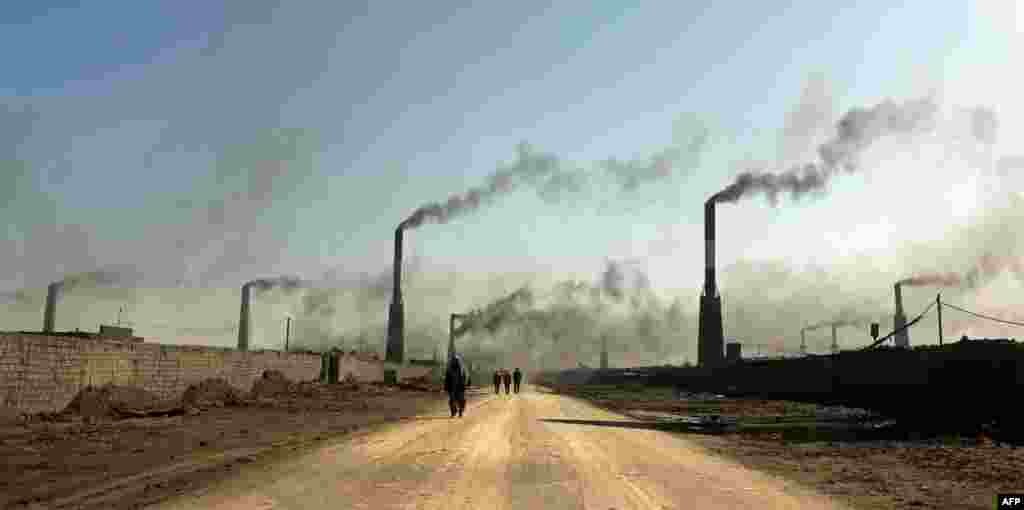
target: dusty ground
76 462
534 450
948 472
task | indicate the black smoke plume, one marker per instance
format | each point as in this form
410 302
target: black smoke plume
554 179
857 130
285 283
94 279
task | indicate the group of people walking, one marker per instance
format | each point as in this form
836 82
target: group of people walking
456 381
511 380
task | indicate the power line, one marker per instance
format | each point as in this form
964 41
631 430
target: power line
1004 321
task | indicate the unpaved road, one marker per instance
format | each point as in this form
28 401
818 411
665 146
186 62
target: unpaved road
507 452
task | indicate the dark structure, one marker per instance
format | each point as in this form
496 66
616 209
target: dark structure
604 353
50 312
710 341
940 387
733 352
243 318
899 320
395 348
115 332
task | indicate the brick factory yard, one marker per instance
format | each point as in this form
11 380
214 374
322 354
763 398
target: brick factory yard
71 461
939 472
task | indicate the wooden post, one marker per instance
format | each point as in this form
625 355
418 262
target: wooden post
938 306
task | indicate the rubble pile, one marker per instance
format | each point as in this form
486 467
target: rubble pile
10 416
215 392
272 384
423 383
113 401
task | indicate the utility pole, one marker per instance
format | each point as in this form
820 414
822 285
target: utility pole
287 332
451 333
938 308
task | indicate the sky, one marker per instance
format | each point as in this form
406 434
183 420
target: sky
206 143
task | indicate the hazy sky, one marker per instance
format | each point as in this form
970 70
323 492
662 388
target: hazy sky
120 120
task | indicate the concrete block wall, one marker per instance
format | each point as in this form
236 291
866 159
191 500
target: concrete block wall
43 373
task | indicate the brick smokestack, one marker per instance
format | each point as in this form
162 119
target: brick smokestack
395 348
604 352
50 312
710 342
244 317
899 320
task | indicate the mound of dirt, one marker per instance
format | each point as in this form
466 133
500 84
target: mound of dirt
424 383
10 416
272 384
214 392
112 401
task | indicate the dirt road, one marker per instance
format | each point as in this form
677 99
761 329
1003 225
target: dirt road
532 450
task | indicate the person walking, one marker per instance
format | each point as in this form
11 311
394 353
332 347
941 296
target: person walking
506 377
517 377
456 378
497 382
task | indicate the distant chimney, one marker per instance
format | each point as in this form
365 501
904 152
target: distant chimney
243 318
899 320
395 346
604 352
710 341
835 340
50 312
803 341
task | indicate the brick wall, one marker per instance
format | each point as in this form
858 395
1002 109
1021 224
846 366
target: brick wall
43 373
364 369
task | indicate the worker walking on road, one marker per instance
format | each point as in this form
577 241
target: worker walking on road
517 377
456 378
506 377
497 382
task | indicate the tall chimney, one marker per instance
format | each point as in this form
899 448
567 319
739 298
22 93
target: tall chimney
395 348
50 312
243 318
803 340
604 352
899 320
710 342
835 340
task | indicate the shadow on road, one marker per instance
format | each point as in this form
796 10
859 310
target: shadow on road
666 426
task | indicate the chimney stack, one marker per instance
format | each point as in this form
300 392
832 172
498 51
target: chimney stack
803 341
710 343
604 352
395 348
835 340
50 312
899 320
243 318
